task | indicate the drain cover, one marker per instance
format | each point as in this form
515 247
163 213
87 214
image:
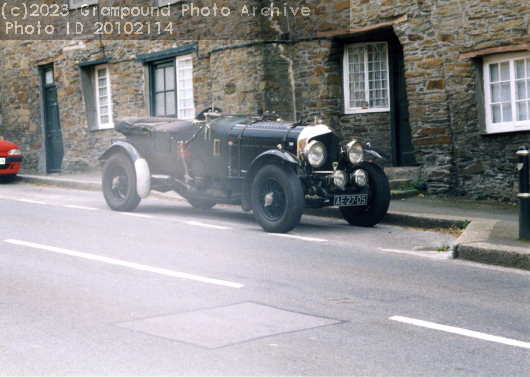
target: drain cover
227 325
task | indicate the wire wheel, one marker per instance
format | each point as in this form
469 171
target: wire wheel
120 183
272 199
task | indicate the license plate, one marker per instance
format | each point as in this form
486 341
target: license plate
2 161
351 200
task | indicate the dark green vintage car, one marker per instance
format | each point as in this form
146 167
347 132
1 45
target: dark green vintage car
272 167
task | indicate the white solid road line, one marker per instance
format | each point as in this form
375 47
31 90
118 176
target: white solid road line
118 262
136 215
195 223
459 331
298 237
81 207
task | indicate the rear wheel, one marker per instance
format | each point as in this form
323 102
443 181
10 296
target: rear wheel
378 201
119 183
277 198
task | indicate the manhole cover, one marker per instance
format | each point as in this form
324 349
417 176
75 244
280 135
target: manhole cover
227 325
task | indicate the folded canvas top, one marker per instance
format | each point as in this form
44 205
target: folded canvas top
178 129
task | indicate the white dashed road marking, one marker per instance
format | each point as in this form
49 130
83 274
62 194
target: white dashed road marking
30 201
195 223
298 237
136 215
81 207
460 331
118 262
423 254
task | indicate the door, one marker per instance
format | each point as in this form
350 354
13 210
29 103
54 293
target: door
52 123
402 150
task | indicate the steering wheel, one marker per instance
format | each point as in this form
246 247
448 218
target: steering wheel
201 115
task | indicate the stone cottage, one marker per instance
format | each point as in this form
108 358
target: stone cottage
441 84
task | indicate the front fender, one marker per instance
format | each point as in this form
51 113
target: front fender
284 155
143 174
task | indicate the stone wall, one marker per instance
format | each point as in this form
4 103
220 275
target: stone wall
299 77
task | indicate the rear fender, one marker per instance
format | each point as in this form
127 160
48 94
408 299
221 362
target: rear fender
143 174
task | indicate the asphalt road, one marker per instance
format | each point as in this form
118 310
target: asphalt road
171 290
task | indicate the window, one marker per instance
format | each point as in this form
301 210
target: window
507 92
79 3
103 97
172 88
366 85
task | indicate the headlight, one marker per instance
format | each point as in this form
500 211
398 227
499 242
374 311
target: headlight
355 152
339 179
359 178
315 153
14 152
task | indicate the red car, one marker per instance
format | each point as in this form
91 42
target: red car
10 160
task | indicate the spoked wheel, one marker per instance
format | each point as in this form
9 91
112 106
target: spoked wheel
378 191
119 184
277 198
272 201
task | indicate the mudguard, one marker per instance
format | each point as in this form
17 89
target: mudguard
143 174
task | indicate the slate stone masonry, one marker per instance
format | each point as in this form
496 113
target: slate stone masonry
299 76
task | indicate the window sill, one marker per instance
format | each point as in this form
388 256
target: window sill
104 127
365 111
506 131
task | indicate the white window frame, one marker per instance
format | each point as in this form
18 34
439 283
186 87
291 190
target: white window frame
165 3
346 82
110 123
74 5
514 125
179 58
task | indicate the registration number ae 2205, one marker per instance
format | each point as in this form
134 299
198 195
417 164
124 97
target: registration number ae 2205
351 200
2 161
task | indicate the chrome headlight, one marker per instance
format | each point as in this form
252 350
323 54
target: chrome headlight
355 152
14 152
339 179
315 153
359 178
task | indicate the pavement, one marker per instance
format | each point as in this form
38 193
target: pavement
488 230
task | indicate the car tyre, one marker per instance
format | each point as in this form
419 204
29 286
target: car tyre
375 211
201 203
277 198
119 183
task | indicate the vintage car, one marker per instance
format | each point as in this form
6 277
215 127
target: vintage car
272 167
10 160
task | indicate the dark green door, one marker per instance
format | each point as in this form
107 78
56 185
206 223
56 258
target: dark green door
403 152
52 123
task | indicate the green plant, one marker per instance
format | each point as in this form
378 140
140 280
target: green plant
444 247
413 185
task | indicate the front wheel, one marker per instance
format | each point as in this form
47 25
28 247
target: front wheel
378 201
119 184
277 198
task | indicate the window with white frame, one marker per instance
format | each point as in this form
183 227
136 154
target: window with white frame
79 3
366 83
507 92
172 88
103 97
